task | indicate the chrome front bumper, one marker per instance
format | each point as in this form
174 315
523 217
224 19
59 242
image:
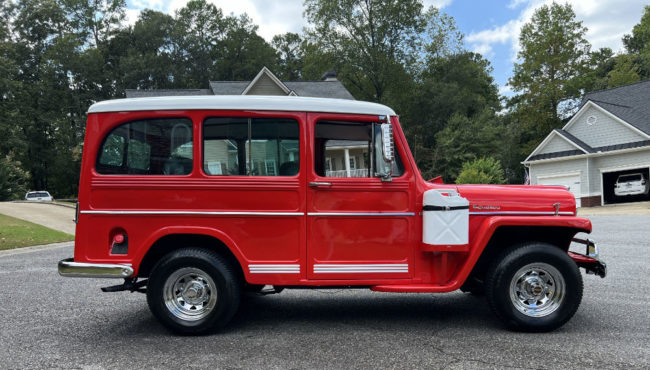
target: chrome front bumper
69 268
590 261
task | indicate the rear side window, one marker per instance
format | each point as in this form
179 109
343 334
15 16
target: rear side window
148 147
234 146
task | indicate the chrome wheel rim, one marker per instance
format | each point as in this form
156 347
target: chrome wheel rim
537 289
190 294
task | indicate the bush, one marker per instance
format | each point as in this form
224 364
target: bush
13 179
486 170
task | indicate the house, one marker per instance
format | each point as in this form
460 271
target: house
608 137
265 83
343 158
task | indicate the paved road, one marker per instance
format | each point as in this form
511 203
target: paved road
49 321
54 216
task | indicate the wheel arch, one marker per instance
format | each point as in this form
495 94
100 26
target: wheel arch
498 233
171 239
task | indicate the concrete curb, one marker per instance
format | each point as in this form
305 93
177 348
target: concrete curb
35 248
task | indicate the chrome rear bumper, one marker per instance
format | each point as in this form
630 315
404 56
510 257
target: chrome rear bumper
69 268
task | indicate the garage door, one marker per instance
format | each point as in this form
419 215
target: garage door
570 181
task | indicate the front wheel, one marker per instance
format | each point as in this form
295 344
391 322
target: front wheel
193 291
534 287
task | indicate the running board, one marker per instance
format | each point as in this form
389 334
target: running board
415 288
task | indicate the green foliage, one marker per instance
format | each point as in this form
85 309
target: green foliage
464 139
639 41
370 41
485 170
457 85
554 57
623 73
13 179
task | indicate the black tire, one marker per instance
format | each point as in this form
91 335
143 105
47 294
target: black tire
212 291
534 287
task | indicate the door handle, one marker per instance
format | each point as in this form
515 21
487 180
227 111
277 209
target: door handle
317 184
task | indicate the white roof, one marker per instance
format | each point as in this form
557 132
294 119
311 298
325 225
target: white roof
238 102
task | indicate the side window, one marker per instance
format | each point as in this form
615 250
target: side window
251 146
349 149
148 147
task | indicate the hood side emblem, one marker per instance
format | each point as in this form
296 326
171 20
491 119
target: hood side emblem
557 208
486 207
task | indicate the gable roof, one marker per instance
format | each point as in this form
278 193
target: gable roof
575 141
629 103
266 72
582 148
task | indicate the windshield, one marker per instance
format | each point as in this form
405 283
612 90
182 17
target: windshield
628 178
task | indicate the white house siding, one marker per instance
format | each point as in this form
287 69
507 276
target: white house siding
605 131
265 86
554 168
623 161
557 144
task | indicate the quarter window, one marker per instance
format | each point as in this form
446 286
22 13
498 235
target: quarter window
148 147
251 146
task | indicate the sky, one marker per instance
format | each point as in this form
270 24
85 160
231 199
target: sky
491 27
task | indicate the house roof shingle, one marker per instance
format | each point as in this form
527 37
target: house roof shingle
628 102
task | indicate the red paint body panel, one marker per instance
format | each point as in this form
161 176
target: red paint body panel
300 224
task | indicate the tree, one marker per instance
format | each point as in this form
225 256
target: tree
553 57
639 41
13 179
454 90
369 40
290 55
485 170
624 72
464 139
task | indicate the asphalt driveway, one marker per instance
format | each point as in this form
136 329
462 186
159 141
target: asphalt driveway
54 322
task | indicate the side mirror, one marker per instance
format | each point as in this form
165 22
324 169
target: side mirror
384 163
387 142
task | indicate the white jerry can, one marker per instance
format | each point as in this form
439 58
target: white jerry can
445 217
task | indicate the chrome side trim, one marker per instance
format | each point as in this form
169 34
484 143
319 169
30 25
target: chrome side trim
550 213
274 269
360 269
360 214
69 268
193 213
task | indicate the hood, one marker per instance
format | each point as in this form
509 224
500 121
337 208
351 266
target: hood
516 199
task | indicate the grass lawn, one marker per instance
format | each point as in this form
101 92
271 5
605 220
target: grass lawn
16 233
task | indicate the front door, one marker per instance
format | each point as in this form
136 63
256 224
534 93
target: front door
358 226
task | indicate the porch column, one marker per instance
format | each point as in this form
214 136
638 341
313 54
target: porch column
347 162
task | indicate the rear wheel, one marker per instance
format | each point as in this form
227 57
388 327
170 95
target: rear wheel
534 287
193 291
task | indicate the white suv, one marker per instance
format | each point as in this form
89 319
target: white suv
631 184
38 196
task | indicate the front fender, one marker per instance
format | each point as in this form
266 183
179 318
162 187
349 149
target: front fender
488 226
